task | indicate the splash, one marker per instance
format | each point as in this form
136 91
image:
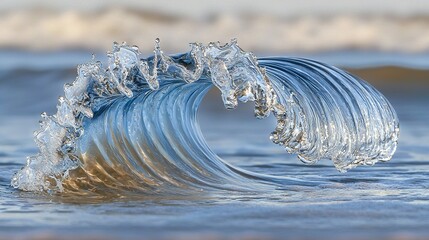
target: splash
131 126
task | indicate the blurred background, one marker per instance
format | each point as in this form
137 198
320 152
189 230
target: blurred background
274 26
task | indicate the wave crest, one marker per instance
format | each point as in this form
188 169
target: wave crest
132 126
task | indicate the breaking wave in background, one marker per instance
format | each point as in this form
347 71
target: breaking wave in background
329 25
132 126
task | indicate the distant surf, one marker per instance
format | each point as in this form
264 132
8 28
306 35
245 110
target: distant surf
131 125
324 26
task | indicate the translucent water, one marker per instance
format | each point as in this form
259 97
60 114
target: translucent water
132 126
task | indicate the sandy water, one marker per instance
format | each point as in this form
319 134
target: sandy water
387 200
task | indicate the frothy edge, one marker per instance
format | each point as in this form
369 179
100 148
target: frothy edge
234 72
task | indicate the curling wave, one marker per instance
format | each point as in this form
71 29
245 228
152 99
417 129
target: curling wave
132 126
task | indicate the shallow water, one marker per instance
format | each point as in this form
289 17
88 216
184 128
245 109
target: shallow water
388 199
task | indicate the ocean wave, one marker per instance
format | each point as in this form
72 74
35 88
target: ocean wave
131 126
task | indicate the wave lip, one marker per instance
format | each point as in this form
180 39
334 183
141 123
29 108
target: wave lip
132 126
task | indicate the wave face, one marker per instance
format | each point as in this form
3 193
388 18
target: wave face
132 125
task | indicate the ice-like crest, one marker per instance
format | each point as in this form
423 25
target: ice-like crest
301 127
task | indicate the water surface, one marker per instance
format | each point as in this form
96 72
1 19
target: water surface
389 199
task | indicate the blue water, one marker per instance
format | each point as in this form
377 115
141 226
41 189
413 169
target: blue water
386 200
